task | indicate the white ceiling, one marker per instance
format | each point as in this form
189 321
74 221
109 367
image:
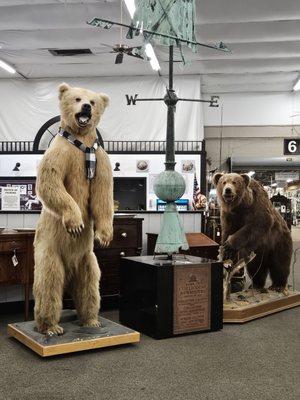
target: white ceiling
264 36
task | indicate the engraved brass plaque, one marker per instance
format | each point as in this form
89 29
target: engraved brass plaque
191 304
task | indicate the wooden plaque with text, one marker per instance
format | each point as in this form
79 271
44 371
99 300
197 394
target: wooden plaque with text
191 301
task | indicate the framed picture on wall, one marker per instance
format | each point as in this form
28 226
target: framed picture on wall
142 165
188 166
18 194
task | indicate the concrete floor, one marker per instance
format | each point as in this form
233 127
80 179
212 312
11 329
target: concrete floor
259 360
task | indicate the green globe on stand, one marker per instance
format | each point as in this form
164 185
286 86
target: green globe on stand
170 186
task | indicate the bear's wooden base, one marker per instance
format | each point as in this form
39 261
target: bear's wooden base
248 305
75 337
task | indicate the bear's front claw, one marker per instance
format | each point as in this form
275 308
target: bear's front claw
228 252
75 232
104 240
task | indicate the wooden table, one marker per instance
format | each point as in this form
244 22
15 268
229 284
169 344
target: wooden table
19 244
200 245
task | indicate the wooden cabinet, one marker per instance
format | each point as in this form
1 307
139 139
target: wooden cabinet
19 244
127 242
200 245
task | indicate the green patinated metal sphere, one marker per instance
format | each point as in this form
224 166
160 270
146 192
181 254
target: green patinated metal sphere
169 186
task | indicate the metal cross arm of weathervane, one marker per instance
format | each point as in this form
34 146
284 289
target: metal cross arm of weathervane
172 99
106 24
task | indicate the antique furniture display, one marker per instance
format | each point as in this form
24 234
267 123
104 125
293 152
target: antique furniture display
164 300
199 245
127 241
16 261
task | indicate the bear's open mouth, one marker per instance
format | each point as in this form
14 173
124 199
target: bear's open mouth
83 119
228 198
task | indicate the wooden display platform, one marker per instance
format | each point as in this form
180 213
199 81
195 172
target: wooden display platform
75 337
248 305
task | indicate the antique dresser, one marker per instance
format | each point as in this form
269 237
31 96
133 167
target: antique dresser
127 241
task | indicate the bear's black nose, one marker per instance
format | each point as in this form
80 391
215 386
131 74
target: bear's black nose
227 191
86 107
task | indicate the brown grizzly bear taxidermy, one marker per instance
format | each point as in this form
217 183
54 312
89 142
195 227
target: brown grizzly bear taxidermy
249 222
76 210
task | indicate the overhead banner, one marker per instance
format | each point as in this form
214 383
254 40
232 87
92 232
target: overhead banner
26 106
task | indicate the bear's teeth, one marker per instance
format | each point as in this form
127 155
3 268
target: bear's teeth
83 120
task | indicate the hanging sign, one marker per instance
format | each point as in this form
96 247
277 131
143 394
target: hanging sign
287 176
291 146
10 198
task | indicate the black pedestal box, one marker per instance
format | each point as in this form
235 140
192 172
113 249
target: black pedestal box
163 301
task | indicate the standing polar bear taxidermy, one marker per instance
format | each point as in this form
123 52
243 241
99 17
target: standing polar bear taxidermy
75 186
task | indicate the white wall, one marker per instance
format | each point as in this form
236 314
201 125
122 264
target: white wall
29 164
26 105
254 109
156 165
251 125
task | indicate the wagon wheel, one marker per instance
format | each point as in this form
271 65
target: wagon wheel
47 133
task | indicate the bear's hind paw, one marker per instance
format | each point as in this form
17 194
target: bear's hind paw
93 323
55 330
280 289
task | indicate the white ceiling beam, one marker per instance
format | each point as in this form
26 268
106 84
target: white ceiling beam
63 38
247 32
59 15
271 77
246 88
241 10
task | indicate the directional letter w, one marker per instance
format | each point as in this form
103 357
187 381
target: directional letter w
131 99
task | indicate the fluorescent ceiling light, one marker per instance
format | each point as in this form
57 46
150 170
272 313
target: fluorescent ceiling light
151 55
130 7
297 85
274 184
251 173
7 67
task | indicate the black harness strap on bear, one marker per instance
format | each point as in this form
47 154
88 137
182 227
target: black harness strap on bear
90 153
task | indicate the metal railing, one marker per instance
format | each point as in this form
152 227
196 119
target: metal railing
113 147
16 147
157 146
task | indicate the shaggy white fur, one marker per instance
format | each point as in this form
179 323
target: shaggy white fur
75 211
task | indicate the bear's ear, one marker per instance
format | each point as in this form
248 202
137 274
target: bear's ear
216 178
246 179
62 88
104 98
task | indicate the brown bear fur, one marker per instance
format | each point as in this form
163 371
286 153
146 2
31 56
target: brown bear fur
249 222
75 211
